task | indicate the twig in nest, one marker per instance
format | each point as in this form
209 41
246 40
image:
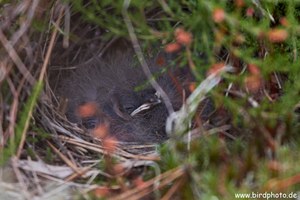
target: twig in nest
164 179
141 58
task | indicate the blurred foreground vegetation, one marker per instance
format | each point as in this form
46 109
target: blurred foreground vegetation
259 39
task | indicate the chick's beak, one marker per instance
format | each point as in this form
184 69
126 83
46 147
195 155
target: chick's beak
146 106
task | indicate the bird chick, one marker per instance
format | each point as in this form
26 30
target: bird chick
121 96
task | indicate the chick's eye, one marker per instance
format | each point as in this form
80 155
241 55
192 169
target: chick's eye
129 108
89 123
